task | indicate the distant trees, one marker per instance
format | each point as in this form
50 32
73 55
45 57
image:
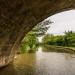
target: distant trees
69 38
48 39
63 40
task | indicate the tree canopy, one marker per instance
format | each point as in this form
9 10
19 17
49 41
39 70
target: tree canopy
62 40
30 41
41 28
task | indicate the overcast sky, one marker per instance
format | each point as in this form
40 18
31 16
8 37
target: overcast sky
64 21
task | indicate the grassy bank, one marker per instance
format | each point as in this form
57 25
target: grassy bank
53 48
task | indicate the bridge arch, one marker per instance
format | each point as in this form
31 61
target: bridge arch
17 17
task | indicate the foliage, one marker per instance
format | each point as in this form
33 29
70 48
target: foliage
63 40
41 28
30 41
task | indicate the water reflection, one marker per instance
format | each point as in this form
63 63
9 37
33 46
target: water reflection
41 63
39 50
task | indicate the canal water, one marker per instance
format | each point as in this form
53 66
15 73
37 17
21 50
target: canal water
41 63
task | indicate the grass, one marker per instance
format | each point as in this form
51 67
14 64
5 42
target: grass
61 49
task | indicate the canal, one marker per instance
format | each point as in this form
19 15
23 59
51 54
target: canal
41 63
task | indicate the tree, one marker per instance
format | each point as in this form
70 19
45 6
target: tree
69 38
30 40
63 40
41 28
29 43
48 39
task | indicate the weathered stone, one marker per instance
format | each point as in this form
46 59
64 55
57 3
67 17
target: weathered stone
17 17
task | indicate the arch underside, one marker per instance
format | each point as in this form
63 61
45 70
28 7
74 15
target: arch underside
17 17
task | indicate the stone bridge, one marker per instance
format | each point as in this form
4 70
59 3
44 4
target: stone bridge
17 17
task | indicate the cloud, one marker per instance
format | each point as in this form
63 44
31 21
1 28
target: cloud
63 21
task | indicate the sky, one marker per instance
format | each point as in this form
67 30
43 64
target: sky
64 21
